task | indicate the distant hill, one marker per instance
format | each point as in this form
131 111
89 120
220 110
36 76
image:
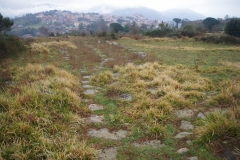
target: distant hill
150 14
183 13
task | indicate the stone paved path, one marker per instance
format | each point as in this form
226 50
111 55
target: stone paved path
184 129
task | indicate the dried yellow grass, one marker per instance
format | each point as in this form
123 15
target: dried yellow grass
158 90
41 113
234 65
45 47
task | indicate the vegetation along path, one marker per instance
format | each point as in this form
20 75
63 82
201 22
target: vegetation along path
92 98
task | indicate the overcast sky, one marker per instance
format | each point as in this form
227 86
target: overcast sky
209 8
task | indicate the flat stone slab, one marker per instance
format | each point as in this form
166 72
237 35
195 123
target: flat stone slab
142 54
184 113
108 154
116 75
182 135
104 133
85 82
218 110
87 86
95 107
86 77
152 143
192 158
126 97
152 91
182 150
185 125
90 91
94 119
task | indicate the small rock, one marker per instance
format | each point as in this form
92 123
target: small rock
47 91
104 133
121 134
201 115
87 86
86 77
114 43
184 113
182 150
218 110
95 107
115 75
192 158
85 82
185 125
109 42
90 91
152 143
182 135
94 119
127 97
142 54
152 91
86 100
9 82
108 154
189 142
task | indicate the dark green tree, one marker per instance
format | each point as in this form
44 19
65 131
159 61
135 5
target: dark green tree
233 27
189 31
210 22
116 27
126 28
5 23
177 21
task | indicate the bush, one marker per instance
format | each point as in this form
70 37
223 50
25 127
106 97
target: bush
189 31
233 27
10 45
226 39
159 33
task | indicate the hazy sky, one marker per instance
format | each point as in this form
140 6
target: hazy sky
209 8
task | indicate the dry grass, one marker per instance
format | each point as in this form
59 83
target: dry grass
229 95
45 47
221 124
157 90
41 116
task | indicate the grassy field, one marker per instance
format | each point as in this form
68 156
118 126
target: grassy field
43 105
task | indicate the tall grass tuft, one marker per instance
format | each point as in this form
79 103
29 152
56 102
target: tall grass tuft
41 116
158 90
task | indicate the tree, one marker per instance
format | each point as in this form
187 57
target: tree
189 31
226 17
5 23
44 31
210 22
126 28
116 27
177 21
233 27
134 28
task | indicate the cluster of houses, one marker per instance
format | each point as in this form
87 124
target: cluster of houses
62 22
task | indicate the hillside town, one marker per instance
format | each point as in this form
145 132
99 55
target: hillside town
64 22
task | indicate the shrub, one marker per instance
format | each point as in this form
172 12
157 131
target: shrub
233 27
220 39
10 45
189 31
159 33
